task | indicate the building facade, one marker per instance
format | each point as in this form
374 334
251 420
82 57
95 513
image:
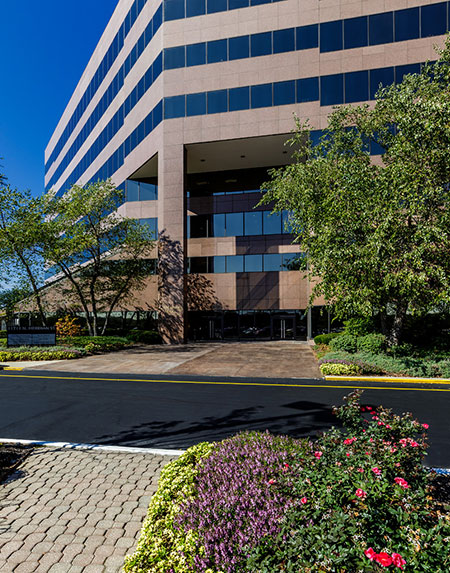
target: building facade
186 104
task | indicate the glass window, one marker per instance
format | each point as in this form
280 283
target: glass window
152 224
356 86
234 224
174 107
284 41
235 264
355 32
157 114
148 192
132 190
292 261
406 24
383 76
402 71
173 9
285 222
239 47
284 93
331 36
332 89
307 37
381 28
174 58
253 263
239 98
253 223
157 19
196 104
233 4
307 90
434 19
157 66
271 223
218 225
198 226
218 264
217 51
198 265
216 6
261 96
261 44
196 54
217 101
272 262
195 8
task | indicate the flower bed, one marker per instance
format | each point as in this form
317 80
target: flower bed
32 353
357 500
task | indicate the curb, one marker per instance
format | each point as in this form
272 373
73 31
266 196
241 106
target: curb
93 447
407 380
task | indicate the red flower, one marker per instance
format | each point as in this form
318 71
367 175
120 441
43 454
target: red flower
271 482
360 470
426 426
402 482
398 560
370 554
303 500
318 455
383 559
376 471
361 493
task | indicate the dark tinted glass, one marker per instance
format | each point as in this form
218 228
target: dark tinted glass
356 86
233 4
381 28
331 36
196 104
406 24
271 223
173 9
307 37
235 264
332 89
261 44
284 93
384 76
174 58
239 47
434 19
253 223
253 263
239 98
261 96
174 107
307 90
198 265
195 7
284 41
402 71
234 223
216 6
219 225
198 226
217 101
217 51
272 262
196 54
132 191
355 32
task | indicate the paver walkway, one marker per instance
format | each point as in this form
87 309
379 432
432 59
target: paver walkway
75 510
275 359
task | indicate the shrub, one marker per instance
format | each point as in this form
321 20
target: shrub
359 326
339 369
68 326
98 344
375 343
345 342
444 368
325 338
11 355
145 336
3 342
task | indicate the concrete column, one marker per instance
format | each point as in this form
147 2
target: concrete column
172 243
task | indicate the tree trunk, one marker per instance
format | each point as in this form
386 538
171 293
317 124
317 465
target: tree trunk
396 332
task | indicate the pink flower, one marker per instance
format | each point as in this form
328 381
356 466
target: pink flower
376 471
348 454
271 482
360 470
388 426
349 441
361 493
414 444
380 423
383 559
393 450
303 500
402 482
398 560
370 554
426 426
318 455
368 408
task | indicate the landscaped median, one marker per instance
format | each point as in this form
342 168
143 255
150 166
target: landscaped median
355 500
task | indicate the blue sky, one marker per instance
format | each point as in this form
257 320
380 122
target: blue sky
44 48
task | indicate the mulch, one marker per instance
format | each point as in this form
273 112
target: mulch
10 459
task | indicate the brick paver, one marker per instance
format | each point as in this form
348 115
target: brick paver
75 510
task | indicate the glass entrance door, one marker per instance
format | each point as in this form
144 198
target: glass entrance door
283 327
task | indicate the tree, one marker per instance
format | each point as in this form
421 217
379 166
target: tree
377 231
101 257
10 297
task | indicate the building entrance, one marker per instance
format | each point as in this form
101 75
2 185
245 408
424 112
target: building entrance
284 327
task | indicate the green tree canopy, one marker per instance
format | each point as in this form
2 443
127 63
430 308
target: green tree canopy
376 230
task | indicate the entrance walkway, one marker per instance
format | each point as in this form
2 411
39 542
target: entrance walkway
276 359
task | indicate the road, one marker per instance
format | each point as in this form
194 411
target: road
175 412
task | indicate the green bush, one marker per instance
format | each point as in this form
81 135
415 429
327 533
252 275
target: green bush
444 368
145 336
375 343
344 342
336 369
359 326
97 344
11 355
3 342
325 338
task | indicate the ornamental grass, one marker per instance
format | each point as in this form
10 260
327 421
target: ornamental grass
355 500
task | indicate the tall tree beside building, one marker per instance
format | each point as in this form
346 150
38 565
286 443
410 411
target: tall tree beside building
377 231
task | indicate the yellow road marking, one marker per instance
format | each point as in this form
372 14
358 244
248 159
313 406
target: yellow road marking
223 383
388 379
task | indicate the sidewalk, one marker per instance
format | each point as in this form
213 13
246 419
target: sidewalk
73 511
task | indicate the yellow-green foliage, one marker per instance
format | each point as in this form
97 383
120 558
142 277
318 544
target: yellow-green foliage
162 547
330 369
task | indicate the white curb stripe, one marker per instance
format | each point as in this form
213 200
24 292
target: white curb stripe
95 447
